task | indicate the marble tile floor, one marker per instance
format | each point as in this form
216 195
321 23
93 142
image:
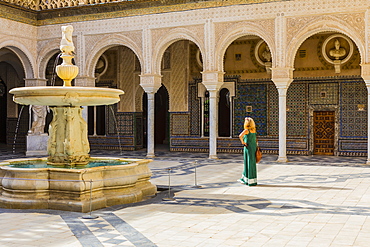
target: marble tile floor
309 201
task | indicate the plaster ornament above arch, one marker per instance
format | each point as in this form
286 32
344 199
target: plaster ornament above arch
301 28
104 43
167 38
337 49
263 55
24 55
263 29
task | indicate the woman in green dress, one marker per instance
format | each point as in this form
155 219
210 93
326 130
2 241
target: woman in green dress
249 141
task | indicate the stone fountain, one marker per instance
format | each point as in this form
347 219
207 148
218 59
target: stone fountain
59 185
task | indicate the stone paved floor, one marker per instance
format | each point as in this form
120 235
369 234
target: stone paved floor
309 201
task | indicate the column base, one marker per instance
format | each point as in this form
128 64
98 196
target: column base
282 159
150 156
213 156
367 162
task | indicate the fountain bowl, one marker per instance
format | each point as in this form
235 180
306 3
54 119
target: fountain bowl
65 96
69 189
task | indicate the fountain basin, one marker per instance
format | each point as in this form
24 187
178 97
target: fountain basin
69 189
66 96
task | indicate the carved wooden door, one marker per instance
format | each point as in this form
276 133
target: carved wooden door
323 128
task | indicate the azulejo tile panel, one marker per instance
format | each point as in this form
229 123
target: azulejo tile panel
194 107
353 105
180 124
250 101
297 111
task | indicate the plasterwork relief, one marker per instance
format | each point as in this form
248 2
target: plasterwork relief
96 43
179 82
139 92
136 37
228 32
297 27
126 79
162 38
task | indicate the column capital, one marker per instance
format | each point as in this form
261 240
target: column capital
213 80
282 76
32 82
365 73
150 82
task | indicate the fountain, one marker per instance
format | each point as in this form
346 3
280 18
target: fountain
62 180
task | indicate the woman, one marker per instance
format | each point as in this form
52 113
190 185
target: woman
248 139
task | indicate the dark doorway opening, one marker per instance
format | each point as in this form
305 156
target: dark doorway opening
161 119
224 113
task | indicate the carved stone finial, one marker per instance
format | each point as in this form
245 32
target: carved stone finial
66 44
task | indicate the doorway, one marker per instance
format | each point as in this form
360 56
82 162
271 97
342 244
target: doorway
224 113
323 132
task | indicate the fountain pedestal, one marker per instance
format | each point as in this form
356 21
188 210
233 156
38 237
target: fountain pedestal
68 143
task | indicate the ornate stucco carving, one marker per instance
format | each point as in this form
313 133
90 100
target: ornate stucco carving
164 37
300 28
226 33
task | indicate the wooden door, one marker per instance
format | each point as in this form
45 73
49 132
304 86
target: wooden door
323 128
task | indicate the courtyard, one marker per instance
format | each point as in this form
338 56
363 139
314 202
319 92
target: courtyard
309 201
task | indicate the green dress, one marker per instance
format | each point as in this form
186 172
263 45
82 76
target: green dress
250 169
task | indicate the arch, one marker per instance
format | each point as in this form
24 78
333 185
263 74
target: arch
323 25
48 51
23 54
106 42
237 31
172 36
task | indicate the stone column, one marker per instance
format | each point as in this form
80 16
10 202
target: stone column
282 125
213 80
36 140
365 73
150 83
282 77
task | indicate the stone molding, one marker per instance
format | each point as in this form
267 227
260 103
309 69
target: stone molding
212 80
365 73
150 82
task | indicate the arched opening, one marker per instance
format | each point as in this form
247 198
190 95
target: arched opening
117 126
224 113
327 101
161 118
11 120
247 63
